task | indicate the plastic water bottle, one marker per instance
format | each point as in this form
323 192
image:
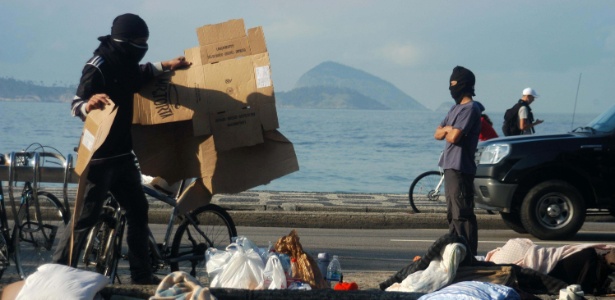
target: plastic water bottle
334 271
323 263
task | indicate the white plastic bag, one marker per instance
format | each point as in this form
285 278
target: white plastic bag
440 272
246 243
274 277
244 270
216 261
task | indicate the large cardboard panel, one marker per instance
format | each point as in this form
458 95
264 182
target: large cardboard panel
214 96
95 130
169 151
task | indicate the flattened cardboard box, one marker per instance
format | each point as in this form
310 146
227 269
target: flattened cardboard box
232 99
95 130
171 152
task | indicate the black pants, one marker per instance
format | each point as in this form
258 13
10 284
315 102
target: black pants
459 188
121 177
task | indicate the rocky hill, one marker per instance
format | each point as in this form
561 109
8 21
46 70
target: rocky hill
333 85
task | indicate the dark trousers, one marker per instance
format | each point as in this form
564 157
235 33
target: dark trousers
121 177
459 189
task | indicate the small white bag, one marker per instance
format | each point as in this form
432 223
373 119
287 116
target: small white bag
244 270
274 277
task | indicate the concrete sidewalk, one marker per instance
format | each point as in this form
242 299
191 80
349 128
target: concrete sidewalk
322 210
339 210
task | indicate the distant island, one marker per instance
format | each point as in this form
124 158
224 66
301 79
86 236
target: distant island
332 85
329 85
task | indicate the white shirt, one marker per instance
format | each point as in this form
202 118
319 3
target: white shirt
523 115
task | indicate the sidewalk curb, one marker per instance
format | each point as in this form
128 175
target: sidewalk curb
338 219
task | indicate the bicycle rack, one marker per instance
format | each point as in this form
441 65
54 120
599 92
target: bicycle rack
36 173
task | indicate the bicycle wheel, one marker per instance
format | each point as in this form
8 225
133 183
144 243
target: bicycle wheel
35 236
425 188
212 227
100 250
92 248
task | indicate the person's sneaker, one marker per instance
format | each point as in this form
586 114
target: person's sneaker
152 280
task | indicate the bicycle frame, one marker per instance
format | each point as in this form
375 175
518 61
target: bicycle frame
439 185
172 201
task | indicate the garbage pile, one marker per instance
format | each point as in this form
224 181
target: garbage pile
285 265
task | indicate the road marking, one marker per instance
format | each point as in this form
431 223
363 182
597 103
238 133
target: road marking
504 242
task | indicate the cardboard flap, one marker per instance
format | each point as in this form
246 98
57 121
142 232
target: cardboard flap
215 33
95 131
256 36
194 196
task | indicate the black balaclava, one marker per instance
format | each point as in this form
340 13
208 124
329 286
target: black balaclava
121 52
465 83
128 27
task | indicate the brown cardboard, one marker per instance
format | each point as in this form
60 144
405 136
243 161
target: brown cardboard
171 152
95 130
215 121
214 53
227 92
228 40
194 196
256 37
211 91
214 33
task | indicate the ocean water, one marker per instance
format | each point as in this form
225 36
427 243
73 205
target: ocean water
345 151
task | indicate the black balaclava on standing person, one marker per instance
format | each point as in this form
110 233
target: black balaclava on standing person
120 50
465 83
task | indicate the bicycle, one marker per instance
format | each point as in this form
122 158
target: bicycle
428 186
35 224
204 227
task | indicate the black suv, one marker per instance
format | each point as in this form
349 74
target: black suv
544 184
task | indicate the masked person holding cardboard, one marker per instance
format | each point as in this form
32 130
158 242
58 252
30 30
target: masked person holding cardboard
112 76
460 128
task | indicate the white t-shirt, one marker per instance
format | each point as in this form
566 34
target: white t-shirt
523 115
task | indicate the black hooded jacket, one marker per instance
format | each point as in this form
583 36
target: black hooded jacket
111 71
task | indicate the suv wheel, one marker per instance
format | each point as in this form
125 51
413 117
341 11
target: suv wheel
513 221
552 210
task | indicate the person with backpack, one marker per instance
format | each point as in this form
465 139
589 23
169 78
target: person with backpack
519 119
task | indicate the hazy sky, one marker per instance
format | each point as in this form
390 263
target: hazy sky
509 45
